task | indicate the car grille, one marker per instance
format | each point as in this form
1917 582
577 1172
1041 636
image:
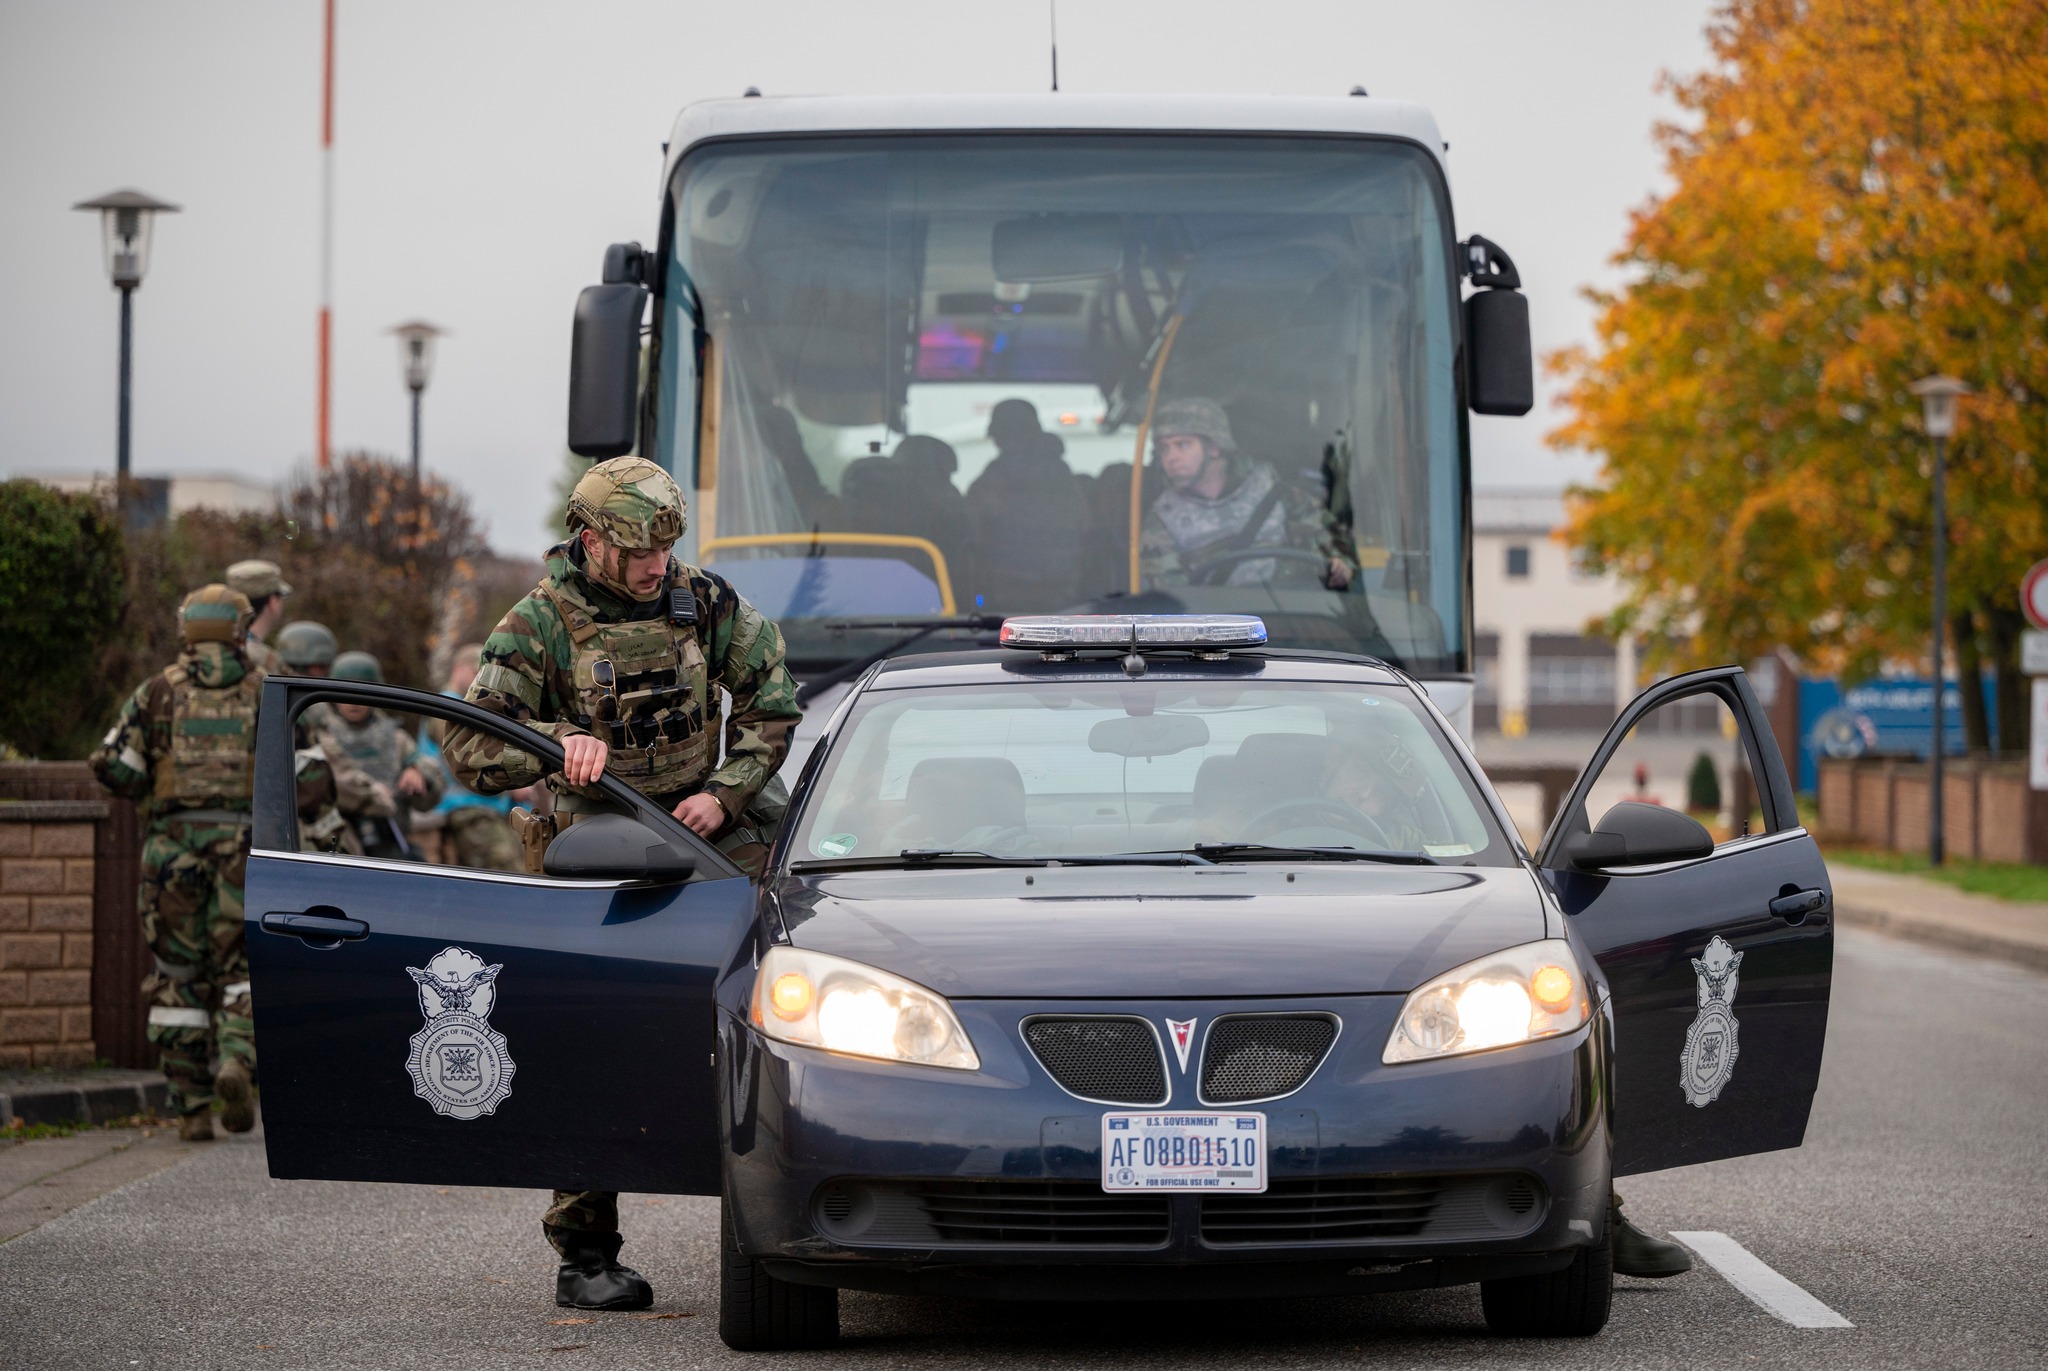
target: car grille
1376 1208
1260 1056
988 1213
1112 1060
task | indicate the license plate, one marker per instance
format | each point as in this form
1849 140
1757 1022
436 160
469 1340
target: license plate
1184 1152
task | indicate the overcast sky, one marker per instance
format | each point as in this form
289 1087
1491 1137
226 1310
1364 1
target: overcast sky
487 152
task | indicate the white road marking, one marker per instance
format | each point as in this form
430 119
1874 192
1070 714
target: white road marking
1747 1272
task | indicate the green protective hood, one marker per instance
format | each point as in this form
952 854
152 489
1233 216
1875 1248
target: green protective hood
213 665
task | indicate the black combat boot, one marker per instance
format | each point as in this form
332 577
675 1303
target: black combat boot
591 1277
1636 1253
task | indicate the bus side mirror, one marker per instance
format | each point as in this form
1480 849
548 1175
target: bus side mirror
1500 372
604 369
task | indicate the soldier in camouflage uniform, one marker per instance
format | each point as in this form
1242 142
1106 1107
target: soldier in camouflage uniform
477 828
262 584
1217 503
400 780
616 655
184 746
306 648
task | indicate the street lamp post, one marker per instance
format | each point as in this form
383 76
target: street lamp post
1938 396
126 218
416 357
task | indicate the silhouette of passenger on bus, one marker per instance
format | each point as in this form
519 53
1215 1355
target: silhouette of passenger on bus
909 493
1028 516
1218 507
815 507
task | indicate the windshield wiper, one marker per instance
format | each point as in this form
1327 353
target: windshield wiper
922 629
911 858
1262 852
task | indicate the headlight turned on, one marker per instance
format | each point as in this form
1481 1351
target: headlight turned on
816 1000
1524 993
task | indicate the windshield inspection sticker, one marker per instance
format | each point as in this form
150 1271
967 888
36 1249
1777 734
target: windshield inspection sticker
1709 1056
836 844
458 1063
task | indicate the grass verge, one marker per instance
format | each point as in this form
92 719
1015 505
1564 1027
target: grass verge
2005 881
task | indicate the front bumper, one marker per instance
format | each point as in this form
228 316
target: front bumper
870 1175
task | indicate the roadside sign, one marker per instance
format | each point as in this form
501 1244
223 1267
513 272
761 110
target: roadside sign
2034 594
2037 754
2034 651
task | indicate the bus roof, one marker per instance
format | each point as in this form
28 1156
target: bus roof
758 116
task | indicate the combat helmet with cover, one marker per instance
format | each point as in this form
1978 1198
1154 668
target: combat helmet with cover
357 666
214 614
629 502
1196 417
303 643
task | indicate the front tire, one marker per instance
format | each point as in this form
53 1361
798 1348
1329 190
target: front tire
758 1313
1571 1303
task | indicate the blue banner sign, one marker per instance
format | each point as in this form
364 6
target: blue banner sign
1888 717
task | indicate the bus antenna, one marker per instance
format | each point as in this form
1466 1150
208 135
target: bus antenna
1052 8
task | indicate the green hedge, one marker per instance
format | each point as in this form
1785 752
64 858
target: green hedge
61 562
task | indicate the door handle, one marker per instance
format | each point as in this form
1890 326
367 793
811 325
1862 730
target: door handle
1794 908
321 928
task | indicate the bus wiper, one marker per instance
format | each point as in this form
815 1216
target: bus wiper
912 858
1262 852
921 629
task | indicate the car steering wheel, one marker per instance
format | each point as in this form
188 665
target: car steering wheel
1215 570
1306 810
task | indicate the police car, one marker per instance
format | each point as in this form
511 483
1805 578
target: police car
1129 958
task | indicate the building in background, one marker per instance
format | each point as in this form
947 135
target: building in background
160 497
1536 667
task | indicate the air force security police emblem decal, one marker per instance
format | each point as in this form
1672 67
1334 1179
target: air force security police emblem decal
458 1063
1709 1057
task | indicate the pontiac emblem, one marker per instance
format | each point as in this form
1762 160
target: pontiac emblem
1182 1031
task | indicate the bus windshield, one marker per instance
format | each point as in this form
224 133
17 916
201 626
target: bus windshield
952 374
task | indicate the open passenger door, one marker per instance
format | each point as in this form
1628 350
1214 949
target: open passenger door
446 1025
1718 955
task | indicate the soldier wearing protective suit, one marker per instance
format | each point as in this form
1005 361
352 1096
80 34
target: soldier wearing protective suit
397 777
184 746
618 654
1217 506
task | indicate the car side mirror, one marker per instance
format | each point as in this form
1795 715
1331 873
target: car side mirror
1500 370
1637 834
604 358
612 847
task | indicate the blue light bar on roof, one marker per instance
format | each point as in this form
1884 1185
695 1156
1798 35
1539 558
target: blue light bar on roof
1202 632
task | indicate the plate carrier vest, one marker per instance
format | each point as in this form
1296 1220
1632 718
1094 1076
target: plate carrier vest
658 742
212 761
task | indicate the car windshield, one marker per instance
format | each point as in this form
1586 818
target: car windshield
1025 373
1146 766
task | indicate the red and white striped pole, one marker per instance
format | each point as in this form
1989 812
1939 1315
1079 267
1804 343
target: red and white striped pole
321 455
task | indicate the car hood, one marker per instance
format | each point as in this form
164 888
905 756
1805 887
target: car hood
1164 932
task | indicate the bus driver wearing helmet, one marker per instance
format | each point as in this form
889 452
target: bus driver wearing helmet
1217 505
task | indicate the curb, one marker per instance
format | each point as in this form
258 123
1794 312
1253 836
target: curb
93 1104
2033 956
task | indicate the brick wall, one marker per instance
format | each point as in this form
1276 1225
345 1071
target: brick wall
1989 813
46 932
119 958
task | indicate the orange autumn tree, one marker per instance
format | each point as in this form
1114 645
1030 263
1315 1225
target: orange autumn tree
1858 202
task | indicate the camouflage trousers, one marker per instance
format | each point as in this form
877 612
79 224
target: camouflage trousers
198 991
591 1216
482 838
